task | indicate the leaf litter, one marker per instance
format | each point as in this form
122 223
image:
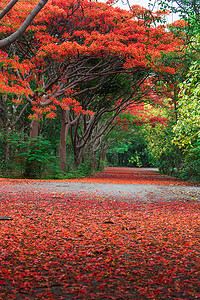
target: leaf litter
83 246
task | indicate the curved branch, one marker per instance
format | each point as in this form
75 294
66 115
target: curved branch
13 37
22 111
8 7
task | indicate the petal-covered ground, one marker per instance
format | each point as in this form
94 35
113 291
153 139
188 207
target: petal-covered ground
84 246
120 175
134 176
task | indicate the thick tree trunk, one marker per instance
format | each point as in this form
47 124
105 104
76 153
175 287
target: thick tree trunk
7 152
65 124
76 161
102 156
6 147
34 128
93 161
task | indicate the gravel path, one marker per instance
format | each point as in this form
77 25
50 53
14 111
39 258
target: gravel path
124 192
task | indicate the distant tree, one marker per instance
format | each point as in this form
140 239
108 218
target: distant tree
187 129
188 10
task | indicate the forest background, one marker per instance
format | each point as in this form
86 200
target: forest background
89 84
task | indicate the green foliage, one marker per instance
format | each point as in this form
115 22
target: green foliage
187 128
168 156
84 169
177 148
30 158
188 10
191 169
37 158
128 146
50 130
135 160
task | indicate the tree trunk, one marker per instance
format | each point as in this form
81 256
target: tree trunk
102 156
65 124
6 147
93 161
34 128
6 154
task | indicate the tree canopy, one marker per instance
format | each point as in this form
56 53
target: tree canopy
86 62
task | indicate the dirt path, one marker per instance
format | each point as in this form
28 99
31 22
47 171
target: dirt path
125 183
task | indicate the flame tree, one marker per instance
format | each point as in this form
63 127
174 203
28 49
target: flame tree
72 49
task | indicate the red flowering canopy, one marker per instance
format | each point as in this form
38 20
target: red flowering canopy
71 43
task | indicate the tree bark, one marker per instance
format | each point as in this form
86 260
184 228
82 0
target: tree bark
8 7
65 124
34 128
6 148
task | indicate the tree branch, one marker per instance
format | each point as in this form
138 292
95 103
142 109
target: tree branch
14 36
22 111
8 7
